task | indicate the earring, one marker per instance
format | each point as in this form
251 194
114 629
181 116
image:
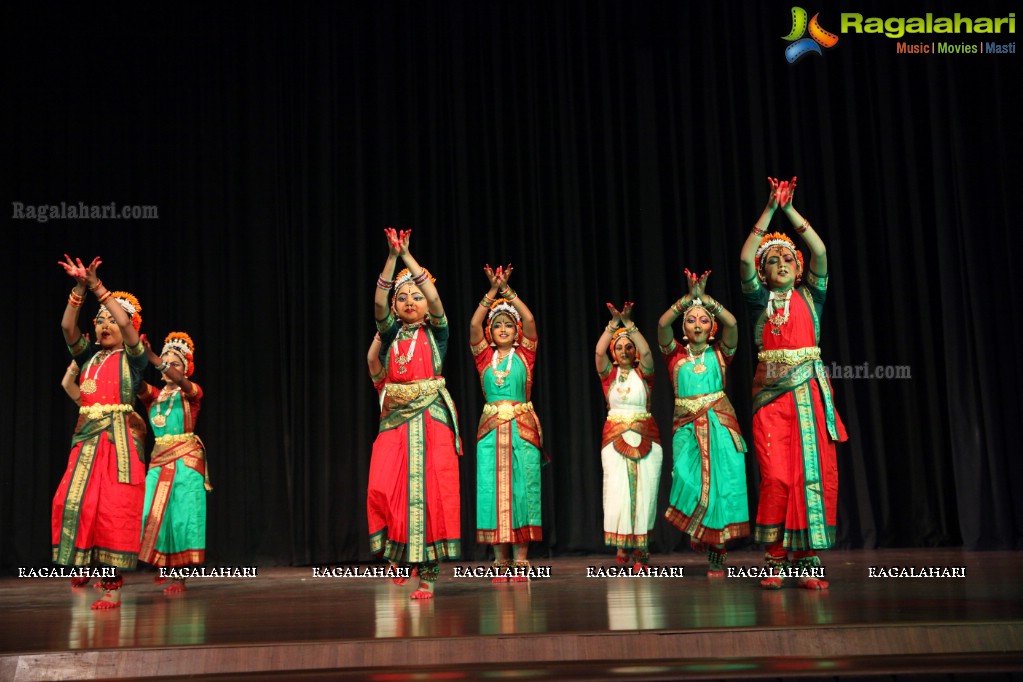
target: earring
685 338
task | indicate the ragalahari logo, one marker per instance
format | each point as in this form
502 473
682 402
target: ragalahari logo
800 46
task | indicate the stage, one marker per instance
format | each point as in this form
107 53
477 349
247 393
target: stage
287 623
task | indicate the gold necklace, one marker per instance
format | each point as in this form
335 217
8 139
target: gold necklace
499 374
166 395
698 368
404 359
88 385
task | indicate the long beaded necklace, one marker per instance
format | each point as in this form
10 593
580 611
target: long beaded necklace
698 367
88 385
166 396
500 374
403 360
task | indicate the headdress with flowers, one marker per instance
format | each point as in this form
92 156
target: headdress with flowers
618 333
777 239
698 304
405 277
502 307
131 306
181 344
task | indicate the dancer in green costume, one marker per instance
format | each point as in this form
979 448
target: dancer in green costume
508 509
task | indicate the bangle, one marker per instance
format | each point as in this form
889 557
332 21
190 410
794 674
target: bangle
420 279
385 284
104 297
97 285
508 294
161 368
804 227
610 330
678 306
75 300
758 232
486 302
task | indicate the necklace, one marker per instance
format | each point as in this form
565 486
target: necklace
403 360
165 396
500 374
88 385
778 319
698 368
623 377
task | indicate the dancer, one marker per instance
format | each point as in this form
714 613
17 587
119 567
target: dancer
413 499
174 534
708 481
508 508
631 442
795 424
97 510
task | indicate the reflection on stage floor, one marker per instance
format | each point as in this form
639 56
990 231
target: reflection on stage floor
567 616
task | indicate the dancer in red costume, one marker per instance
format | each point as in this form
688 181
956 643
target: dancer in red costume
795 424
413 500
97 509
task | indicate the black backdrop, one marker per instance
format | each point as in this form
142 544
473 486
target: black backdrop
601 147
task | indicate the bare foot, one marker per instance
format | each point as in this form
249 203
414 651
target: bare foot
176 587
422 592
80 581
813 584
111 599
159 579
772 583
400 579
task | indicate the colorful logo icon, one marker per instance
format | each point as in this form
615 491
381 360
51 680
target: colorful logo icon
800 46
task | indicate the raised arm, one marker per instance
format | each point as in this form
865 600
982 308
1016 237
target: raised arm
748 255
646 358
665 335
728 329
69 321
818 253
509 294
381 306
601 358
479 316
171 372
129 335
428 288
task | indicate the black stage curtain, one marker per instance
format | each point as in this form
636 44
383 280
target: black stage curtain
600 147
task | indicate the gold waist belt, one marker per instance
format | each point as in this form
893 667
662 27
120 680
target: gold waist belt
506 410
408 392
694 405
790 356
97 411
628 418
174 438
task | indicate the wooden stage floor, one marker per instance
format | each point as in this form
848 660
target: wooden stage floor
288 624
